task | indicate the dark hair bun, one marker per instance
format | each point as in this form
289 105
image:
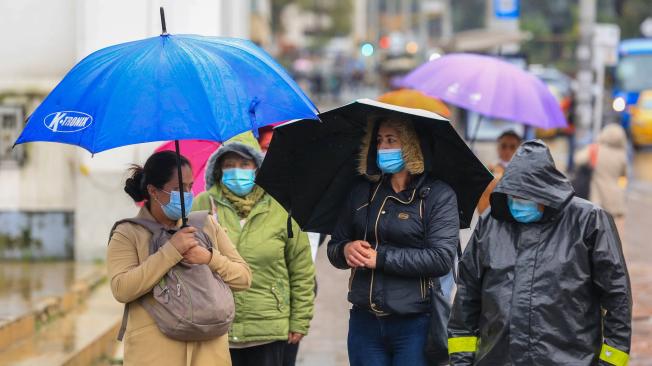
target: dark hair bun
134 186
159 168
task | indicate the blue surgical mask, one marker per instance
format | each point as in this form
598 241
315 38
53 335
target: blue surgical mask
239 181
173 208
524 211
390 161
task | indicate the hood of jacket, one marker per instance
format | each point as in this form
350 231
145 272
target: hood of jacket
411 150
532 175
613 136
244 144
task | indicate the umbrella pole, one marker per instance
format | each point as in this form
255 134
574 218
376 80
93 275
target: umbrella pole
184 219
475 132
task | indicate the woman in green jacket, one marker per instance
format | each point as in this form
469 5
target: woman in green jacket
278 307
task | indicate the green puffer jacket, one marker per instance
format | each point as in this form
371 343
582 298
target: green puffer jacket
280 299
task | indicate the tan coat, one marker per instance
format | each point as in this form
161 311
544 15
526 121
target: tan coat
611 164
133 273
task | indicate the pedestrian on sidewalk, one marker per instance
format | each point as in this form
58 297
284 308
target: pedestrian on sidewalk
506 144
278 307
543 280
134 272
315 239
397 233
608 160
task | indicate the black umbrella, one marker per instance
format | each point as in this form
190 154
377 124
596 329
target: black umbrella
311 166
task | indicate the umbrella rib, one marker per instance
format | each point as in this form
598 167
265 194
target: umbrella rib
275 68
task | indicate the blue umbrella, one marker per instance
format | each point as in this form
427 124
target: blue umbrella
170 87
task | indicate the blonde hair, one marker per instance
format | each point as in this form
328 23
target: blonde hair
407 135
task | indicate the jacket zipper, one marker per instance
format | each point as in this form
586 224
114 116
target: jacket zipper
373 271
179 285
351 278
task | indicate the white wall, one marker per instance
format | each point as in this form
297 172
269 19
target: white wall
42 40
100 196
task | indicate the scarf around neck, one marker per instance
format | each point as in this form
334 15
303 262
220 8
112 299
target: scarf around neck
243 205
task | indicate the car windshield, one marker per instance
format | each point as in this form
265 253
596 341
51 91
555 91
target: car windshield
634 73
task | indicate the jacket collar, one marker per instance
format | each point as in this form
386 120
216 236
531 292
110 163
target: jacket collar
261 206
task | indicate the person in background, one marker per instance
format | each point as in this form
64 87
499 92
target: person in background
543 280
292 349
609 171
133 272
278 307
506 144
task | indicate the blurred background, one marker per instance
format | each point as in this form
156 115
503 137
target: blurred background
58 202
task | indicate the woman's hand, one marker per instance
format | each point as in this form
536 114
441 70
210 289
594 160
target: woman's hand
294 338
356 253
371 261
197 255
184 239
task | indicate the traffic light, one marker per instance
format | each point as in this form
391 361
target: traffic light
367 49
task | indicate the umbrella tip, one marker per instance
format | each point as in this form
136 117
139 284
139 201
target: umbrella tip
163 27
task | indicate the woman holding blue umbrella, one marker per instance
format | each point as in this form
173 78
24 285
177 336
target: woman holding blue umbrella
170 87
136 273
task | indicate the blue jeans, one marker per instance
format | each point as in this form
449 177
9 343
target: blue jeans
393 340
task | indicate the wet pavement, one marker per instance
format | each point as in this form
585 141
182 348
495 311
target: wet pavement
24 285
68 337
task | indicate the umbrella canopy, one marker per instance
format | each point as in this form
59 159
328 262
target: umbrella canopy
415 99
170 87
489 86
198 152
311 166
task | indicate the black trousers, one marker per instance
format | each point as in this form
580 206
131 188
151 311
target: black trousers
290 356
270 354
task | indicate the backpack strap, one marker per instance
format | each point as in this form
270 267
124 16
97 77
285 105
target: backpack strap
152 227
123 325
197 219
424 191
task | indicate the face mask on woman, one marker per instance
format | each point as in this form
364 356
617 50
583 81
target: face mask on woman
524 211
173 208
390 161
239 181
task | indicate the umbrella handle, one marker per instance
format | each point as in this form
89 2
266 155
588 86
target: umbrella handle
184 218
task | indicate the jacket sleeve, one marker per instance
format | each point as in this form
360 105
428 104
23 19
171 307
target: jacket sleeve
301 270
611 279
226 261
129 278
463 324
435 259
342 235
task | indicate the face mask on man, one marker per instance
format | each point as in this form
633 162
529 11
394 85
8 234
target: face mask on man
173 208
524 211
390 161
239 181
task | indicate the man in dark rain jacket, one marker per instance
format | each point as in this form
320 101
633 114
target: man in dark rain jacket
543 280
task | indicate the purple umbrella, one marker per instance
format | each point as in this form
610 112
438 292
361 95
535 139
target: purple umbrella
489 86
